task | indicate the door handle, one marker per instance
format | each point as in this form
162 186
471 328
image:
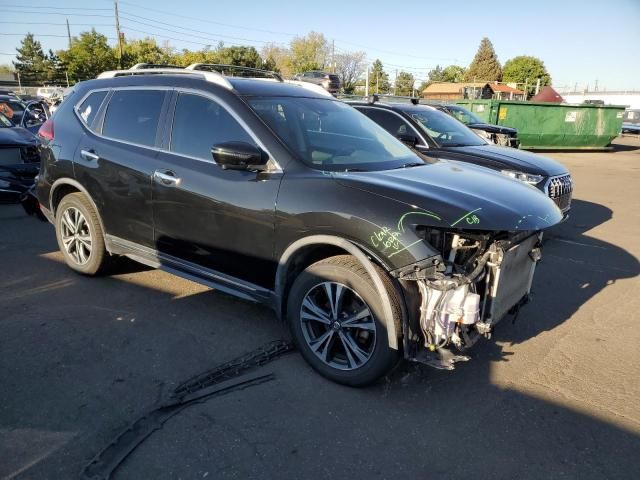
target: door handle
89 155
166 177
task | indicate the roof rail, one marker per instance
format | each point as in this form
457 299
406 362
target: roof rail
139 66
212 77
235 70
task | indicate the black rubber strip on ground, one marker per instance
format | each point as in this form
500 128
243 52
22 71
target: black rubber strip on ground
226 378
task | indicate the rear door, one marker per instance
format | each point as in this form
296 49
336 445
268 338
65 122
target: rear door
219 219
115 159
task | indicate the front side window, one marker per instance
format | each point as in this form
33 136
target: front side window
89 108
391 122
199 123
330 135
443 129
465 116
133 116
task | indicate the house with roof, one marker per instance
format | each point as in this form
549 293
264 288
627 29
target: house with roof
488 90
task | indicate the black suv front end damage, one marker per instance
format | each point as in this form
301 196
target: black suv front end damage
461 294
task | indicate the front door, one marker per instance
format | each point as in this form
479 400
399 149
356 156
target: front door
222 220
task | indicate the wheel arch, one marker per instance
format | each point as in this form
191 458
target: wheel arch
313 248
63 187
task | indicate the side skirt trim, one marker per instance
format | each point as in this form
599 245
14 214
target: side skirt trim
190 271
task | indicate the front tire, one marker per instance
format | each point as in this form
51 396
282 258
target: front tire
334 312
80 236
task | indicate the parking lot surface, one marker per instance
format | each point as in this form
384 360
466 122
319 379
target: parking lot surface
553 395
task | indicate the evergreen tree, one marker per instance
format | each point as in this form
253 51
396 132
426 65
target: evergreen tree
404 84
378 79
31 62
485 66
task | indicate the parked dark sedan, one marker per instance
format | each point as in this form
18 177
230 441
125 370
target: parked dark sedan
19 160
498 134
436 134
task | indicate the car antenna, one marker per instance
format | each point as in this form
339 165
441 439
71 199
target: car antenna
373 98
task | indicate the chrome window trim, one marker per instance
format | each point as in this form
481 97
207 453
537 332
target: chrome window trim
276 166
422 143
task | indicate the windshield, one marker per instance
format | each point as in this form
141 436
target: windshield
443 129
330 135
465 116
5 122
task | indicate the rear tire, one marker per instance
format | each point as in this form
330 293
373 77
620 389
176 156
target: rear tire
80 236
334 311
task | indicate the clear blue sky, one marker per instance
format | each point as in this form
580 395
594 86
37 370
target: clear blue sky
579 41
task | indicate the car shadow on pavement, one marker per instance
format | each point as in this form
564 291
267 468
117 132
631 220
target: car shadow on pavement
85 370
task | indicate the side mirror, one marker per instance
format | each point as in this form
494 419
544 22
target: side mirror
410 140
239 156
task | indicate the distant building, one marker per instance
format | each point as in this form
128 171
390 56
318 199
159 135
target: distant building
549 95
453 91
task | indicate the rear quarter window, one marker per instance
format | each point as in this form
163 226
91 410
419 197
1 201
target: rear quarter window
88 109
133 116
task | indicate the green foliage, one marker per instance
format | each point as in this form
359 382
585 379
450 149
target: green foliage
89 55
143 51
31 62
277 58
453 73
485 66
378 79
309 53
526 69
243 56
404 84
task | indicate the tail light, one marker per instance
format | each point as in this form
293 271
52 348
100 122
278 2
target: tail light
46 130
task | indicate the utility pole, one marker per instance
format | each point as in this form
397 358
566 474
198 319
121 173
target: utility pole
366 84
538 86
395 84
66 74
377 82
333 56
115 4
595 88
68 33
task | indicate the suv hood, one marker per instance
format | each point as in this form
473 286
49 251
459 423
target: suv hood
512 158
461 196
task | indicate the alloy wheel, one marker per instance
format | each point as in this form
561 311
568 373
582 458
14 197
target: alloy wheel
76 236
338 326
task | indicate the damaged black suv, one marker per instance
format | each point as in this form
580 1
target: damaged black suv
275 192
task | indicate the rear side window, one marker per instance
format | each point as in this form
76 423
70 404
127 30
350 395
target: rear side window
133 116
199 123
89 108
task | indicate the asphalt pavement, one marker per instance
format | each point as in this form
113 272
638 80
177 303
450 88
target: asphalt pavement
553 395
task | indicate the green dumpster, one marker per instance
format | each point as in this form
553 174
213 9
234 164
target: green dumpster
553 126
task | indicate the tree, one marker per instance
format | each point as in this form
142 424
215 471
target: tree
404 84
58 69
31 62
243 56
349 67
309 53
525 69
187 57
143 51
378 79
435 75
88 56
453 73
277 58
485 66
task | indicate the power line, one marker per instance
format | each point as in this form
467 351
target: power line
58 13
202 20
41 35
48 6
183 28
62 24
